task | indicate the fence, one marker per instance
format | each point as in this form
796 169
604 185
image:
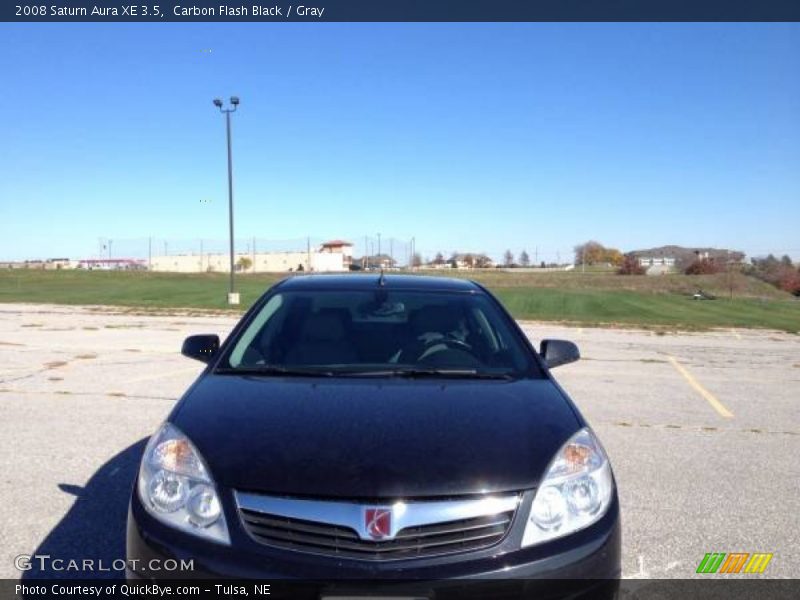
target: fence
392 250
150 250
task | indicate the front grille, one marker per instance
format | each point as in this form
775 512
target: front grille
411 542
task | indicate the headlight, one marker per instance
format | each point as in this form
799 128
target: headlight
575 492
176 487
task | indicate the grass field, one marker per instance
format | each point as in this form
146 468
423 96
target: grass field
585 299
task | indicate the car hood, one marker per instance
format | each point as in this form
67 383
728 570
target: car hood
368 439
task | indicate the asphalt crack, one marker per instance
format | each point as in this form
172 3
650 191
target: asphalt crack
704 428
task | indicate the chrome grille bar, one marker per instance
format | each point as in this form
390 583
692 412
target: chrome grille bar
419 528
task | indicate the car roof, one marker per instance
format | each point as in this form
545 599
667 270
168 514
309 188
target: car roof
371 281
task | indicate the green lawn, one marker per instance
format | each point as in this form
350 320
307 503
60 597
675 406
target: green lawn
122 288
590 299
598 307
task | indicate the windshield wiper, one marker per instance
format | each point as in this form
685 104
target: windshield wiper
417 373
411 373
276 370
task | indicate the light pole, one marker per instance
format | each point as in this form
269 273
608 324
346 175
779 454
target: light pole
233 298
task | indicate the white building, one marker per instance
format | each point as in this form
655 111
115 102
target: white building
110 264
660 261
267 262
339 247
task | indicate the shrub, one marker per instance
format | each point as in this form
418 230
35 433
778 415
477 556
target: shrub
780 273
243 264
790 281
631 266
703 266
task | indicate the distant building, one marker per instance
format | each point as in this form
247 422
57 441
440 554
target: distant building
679 257
339 247
59 263
49 264
374 262
266 262
112 264
443 264
471 261
331 256
660 261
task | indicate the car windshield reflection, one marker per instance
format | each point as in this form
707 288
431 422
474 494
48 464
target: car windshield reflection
370 333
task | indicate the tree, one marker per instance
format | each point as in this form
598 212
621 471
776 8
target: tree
439 260
469 260
592 253
732 278
524 259
482 261
780 273
416 260
589 253
244 263
508 258
613 257
767 268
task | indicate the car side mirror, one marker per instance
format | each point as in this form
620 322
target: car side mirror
201 347
558 352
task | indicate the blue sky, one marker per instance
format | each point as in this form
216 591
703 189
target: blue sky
470 137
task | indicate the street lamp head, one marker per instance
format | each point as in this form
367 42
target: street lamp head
217 102
235 100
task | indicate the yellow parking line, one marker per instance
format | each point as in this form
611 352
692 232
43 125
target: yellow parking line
716 404
160 375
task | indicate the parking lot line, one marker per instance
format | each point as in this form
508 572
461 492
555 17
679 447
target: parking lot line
710 398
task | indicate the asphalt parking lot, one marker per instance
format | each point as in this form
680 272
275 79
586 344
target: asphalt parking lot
703 430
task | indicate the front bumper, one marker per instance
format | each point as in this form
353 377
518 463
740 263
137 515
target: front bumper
591 555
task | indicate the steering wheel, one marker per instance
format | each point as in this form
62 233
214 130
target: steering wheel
450 342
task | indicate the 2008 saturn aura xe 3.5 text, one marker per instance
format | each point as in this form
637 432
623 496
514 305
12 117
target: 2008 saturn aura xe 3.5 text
378 428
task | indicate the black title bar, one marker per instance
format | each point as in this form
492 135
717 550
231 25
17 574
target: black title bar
197 589
401 10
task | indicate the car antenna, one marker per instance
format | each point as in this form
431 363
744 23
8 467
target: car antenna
381 279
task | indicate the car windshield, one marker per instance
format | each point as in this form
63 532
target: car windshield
380 332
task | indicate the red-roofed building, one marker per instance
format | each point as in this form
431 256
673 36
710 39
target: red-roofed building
339 247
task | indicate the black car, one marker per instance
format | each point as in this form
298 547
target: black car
371 427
